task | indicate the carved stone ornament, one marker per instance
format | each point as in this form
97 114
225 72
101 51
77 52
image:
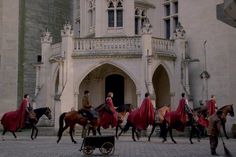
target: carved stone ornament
147 27
179 32
46 37
205 75
67 30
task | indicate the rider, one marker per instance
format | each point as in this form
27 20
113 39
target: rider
107 118
86 106
23 111
143 116
211 105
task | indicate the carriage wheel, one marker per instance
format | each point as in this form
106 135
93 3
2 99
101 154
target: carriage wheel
88 150
107 148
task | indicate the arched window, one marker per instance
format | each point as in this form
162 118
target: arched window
115 13
140 16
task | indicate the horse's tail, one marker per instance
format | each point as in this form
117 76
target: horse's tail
61 121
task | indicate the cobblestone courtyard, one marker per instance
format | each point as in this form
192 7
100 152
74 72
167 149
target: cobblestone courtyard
46 146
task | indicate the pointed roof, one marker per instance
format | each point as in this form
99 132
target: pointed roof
145 3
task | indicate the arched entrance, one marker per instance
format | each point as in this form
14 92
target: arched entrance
161 86
108 78
115 83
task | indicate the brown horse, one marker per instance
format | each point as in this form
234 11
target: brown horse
227 109
71 119
159 118
178 125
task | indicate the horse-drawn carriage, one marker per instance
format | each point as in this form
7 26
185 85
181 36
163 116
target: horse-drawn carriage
106 144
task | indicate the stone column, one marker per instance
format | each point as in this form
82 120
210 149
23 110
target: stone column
147 59
67 90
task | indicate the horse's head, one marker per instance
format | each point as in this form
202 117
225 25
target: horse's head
48 113
228 109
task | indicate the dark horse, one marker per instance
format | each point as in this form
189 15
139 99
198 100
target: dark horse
76 117
122 111
226 109
177 124
33 121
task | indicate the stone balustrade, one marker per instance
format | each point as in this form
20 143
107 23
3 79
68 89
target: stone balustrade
162 45
108 44
115 45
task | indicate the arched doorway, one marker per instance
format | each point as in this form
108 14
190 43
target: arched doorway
115 83
161 86
108 78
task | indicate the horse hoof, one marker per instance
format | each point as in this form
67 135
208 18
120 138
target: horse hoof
227 137
163 141
75 142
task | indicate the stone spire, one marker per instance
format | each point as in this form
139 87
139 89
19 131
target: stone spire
179 32
46 36
67 30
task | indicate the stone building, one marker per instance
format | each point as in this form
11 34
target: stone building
130 47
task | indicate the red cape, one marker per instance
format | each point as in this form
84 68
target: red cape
106 118
203 121
143 116
179 115
211 105
14 120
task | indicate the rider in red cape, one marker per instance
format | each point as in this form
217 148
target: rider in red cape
15 119
143 116
179 114
106 118
211 105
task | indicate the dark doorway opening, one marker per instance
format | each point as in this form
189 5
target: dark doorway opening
115 83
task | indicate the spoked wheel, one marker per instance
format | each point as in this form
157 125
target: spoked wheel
88 150
107 148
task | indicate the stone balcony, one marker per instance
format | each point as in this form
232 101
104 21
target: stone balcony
125 47
128 47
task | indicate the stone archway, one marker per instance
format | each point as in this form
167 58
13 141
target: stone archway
161 84
108 78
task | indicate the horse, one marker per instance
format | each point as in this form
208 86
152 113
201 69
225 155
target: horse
159 118
122 110
32 121
178 125
76 117
227 109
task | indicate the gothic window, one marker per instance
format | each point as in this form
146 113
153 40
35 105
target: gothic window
170 17
115 13
140 16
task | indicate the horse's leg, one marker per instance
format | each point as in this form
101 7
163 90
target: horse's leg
171 136
117 128
72 128
32 133
191 134
14 134
153 128
3 133
99 130
36 132
133 130
163 131
223 126
60 132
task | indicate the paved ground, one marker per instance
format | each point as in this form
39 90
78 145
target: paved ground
45 146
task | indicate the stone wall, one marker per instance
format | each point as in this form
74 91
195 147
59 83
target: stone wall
39 15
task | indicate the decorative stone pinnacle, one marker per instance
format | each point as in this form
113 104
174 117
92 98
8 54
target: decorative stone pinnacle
179 32
46 36
67 29
147 27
